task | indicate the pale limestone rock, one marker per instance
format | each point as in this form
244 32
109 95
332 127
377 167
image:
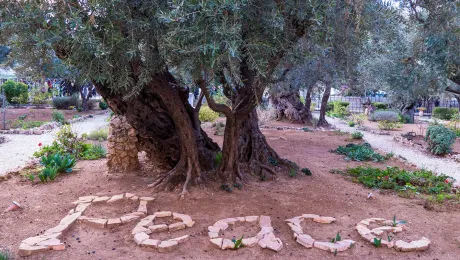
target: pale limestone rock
213 229
296 228
139 229
176 226
135 198
128 218
101 199
82 207
227 244
142 206
305 240
324 220
115 198
167 246
251 218
221 225
240 219
264 231
86 199
94 222
229 220
404 246
57 229
140 237
421 244
27 250
213 234
148 199
250 242
295 220
162 214
271 242
265 221
217 242
181 239
113 222
310 216
158 228
150 243
138 213
129 195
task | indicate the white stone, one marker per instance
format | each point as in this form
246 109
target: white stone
140 237
115 198
324 220
167 246
305 240
162 214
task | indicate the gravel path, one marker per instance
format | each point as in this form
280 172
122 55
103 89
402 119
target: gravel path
385 143
20 148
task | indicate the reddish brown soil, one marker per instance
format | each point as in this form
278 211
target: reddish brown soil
36 114
323 193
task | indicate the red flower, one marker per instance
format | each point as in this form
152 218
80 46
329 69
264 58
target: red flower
39 144
387 177
446 181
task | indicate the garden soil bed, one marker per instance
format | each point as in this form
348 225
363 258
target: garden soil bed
37 114
322 193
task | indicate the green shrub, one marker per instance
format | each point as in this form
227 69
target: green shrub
62 162
218 158
98 135
58 117
207 114
39 98
26 124
359 152
65 102
103 105
306 171
380 105
351 124
339 109
440 139
421 181
444 113
16 92
405 119
384 115
312 106
388 125
357 135
93 152
5 254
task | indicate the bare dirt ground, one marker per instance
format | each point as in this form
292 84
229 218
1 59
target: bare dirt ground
323 193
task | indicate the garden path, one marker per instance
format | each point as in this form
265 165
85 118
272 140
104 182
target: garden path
386 144
20 148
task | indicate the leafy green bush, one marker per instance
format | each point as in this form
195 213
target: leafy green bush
39 98
306 171
103 105
26 124
388 125
339 109
207 114
351 124
62 162
98 135
93 152
359 152
384 115
422 181
16 92
357 135
380 105
440 139
65 102
444 113
58 117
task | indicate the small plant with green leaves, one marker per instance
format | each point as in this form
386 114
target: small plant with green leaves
395 223
58 117
226 188
92 151
5 254
337 238
99 134
238 185
238 243
359 152
306 129
49 172
377 242
351 124
273 161
306 171
218 158
357 135
440 139
292 173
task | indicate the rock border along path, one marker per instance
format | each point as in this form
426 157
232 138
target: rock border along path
19 149
385 143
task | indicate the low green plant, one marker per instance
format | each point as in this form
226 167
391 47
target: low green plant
351 124
103 105
389 155
440 139
292 173
377 242
48 173
395 223
62 162
306 171
380 105
226 188
384 115
444 113
238 243
388 125
359 118
306 129
339 109
359 152
357 135
65 102
400 180
97 135
92 151
218 158
337 238
273 161
26 124
207 114
58 117
5 254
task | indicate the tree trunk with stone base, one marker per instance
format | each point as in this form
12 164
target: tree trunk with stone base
288 106
308 111
322 113
123 150
166 130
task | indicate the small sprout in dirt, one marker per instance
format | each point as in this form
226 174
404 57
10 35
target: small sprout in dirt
273 161
23 117
389 155
357 135
263 177
337 238
351 124
306 129
389 238
306 171
226 188
5 254
292 173
218 158
335 252
395 223
377 242
238 186
238 243
31 177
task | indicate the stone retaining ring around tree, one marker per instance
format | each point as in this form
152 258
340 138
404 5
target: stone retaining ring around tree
309 242
265 238
48 126
392 227
50 239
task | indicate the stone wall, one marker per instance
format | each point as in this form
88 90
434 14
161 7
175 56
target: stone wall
122 147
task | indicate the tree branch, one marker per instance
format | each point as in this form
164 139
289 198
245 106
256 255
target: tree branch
221 108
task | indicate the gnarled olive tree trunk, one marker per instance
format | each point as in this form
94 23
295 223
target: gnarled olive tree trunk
166 130
288 106
322 113
308 111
